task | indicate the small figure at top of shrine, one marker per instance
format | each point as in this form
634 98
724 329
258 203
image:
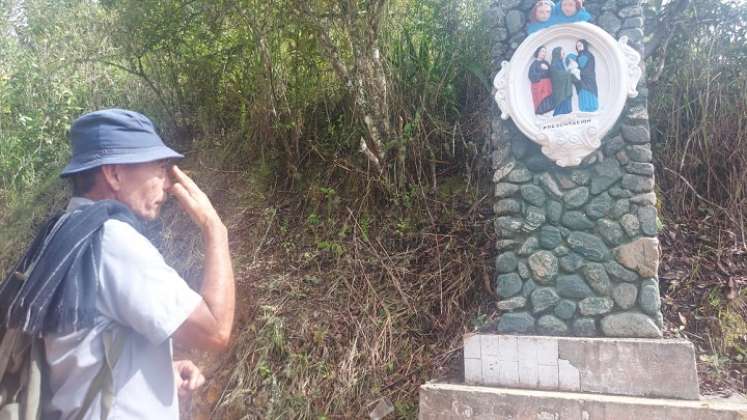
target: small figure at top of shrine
545 13
539 16
569 11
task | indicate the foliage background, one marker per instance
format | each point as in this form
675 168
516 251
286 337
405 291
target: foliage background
345 143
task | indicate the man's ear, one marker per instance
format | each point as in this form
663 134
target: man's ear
112 176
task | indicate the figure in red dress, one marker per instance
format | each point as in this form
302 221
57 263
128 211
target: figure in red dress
539 75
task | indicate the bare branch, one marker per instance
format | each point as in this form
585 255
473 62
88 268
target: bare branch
377 11
370 155
665 26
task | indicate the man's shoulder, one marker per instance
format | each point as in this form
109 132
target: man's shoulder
120 239
118 232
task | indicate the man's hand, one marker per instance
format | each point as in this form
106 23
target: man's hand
188 377
209 325
193 200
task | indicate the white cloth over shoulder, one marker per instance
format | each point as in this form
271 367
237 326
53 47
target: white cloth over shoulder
142 297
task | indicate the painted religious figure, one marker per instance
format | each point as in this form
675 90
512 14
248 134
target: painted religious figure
570 11
545 14
552 84
541 84
539 16
562 83
586 86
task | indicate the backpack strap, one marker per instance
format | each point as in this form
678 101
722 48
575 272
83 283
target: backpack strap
21 370
33 383
103 382
10 345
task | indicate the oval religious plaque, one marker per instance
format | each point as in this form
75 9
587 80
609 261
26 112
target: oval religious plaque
566 85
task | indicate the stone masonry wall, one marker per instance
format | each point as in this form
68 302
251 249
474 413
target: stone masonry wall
577 248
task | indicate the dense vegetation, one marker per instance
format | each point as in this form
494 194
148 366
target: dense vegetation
345 143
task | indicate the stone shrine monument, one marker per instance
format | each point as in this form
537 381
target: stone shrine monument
579 335
576 222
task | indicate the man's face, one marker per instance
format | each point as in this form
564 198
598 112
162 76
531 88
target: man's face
143 187
579 46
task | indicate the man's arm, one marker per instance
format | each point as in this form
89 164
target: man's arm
209 325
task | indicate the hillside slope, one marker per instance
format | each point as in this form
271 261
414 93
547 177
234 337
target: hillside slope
334 318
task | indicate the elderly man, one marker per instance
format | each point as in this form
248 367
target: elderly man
101 296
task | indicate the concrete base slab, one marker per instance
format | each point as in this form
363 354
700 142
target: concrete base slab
621 366
456 401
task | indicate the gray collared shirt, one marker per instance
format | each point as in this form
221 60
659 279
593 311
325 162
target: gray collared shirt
146 300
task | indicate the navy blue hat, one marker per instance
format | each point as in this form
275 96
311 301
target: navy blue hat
114 136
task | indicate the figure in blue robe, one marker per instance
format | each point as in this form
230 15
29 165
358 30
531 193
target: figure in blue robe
586 87
569 11
533 27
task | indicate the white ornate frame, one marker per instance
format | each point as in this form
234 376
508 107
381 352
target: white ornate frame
563 138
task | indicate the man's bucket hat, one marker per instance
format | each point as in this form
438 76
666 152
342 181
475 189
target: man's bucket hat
114 136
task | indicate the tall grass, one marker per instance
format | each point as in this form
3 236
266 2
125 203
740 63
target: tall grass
699 112
698 108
